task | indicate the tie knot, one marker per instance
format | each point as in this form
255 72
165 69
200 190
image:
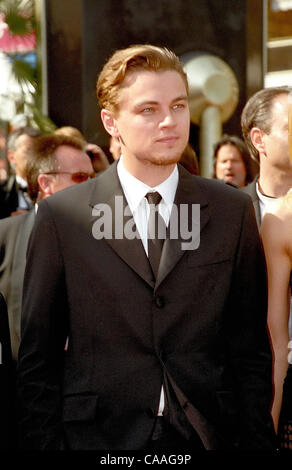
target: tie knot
153 198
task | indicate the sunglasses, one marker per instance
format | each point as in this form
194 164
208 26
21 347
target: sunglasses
78 177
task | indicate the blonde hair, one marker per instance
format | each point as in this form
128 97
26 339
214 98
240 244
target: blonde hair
70 131
136 57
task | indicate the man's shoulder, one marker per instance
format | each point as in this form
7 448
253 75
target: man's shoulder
10 227
12 222
250 189
216 190
76 198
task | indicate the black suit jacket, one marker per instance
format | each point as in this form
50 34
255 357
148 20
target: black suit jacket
199 329
9 197
14 235
8 438
251 190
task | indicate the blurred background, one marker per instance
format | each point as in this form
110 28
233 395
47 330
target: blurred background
51 52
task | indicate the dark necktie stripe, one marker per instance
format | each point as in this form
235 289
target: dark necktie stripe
156 231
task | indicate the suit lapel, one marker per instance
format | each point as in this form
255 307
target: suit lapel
251 189
109 191
187 194
256 202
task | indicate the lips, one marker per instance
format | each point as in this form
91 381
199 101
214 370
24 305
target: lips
167 140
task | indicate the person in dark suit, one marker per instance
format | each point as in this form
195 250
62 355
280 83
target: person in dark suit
123 346
14 199
53 161
8 435
264 123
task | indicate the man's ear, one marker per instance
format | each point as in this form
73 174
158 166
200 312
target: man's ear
109 122
44 183
257 138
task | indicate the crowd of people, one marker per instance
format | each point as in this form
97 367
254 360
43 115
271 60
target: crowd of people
116 337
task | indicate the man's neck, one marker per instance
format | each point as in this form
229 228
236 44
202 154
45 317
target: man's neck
273 183
150 174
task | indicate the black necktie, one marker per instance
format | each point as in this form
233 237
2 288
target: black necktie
26 203
156 231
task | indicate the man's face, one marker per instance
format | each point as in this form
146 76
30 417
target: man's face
69 161
230 166
18 157
153 118
276 141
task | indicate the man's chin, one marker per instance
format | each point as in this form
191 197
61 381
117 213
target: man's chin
165 161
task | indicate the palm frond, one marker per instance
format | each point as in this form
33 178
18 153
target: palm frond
43 122
23 72
19 16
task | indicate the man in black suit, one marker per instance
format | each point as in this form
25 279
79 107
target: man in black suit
55 163
121 350
7 384
14 199
264 123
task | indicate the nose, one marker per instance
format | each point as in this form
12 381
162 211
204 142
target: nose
167 120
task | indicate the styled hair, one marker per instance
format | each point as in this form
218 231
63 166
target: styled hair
244 153
16 133
258 113
71 132
42 158
136 57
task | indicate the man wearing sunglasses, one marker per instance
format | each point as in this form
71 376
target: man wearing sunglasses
55 163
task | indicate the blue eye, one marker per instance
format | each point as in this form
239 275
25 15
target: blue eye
147 110
178 106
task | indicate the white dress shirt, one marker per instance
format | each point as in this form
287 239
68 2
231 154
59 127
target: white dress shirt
135 192
267 203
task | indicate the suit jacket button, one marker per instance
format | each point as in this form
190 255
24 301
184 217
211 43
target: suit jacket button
159 301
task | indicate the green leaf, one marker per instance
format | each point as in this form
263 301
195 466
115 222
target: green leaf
23 72
19 16
43 122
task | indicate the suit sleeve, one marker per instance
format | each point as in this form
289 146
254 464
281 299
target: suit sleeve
247 338
43 334
7 383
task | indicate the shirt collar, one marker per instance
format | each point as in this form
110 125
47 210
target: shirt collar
21 182
135 190
266 202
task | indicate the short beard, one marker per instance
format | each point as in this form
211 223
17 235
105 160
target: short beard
164 161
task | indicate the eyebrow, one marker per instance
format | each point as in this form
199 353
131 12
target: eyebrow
153 102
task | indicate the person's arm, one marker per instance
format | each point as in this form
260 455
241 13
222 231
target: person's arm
273 232
43 335
7 381
249 350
